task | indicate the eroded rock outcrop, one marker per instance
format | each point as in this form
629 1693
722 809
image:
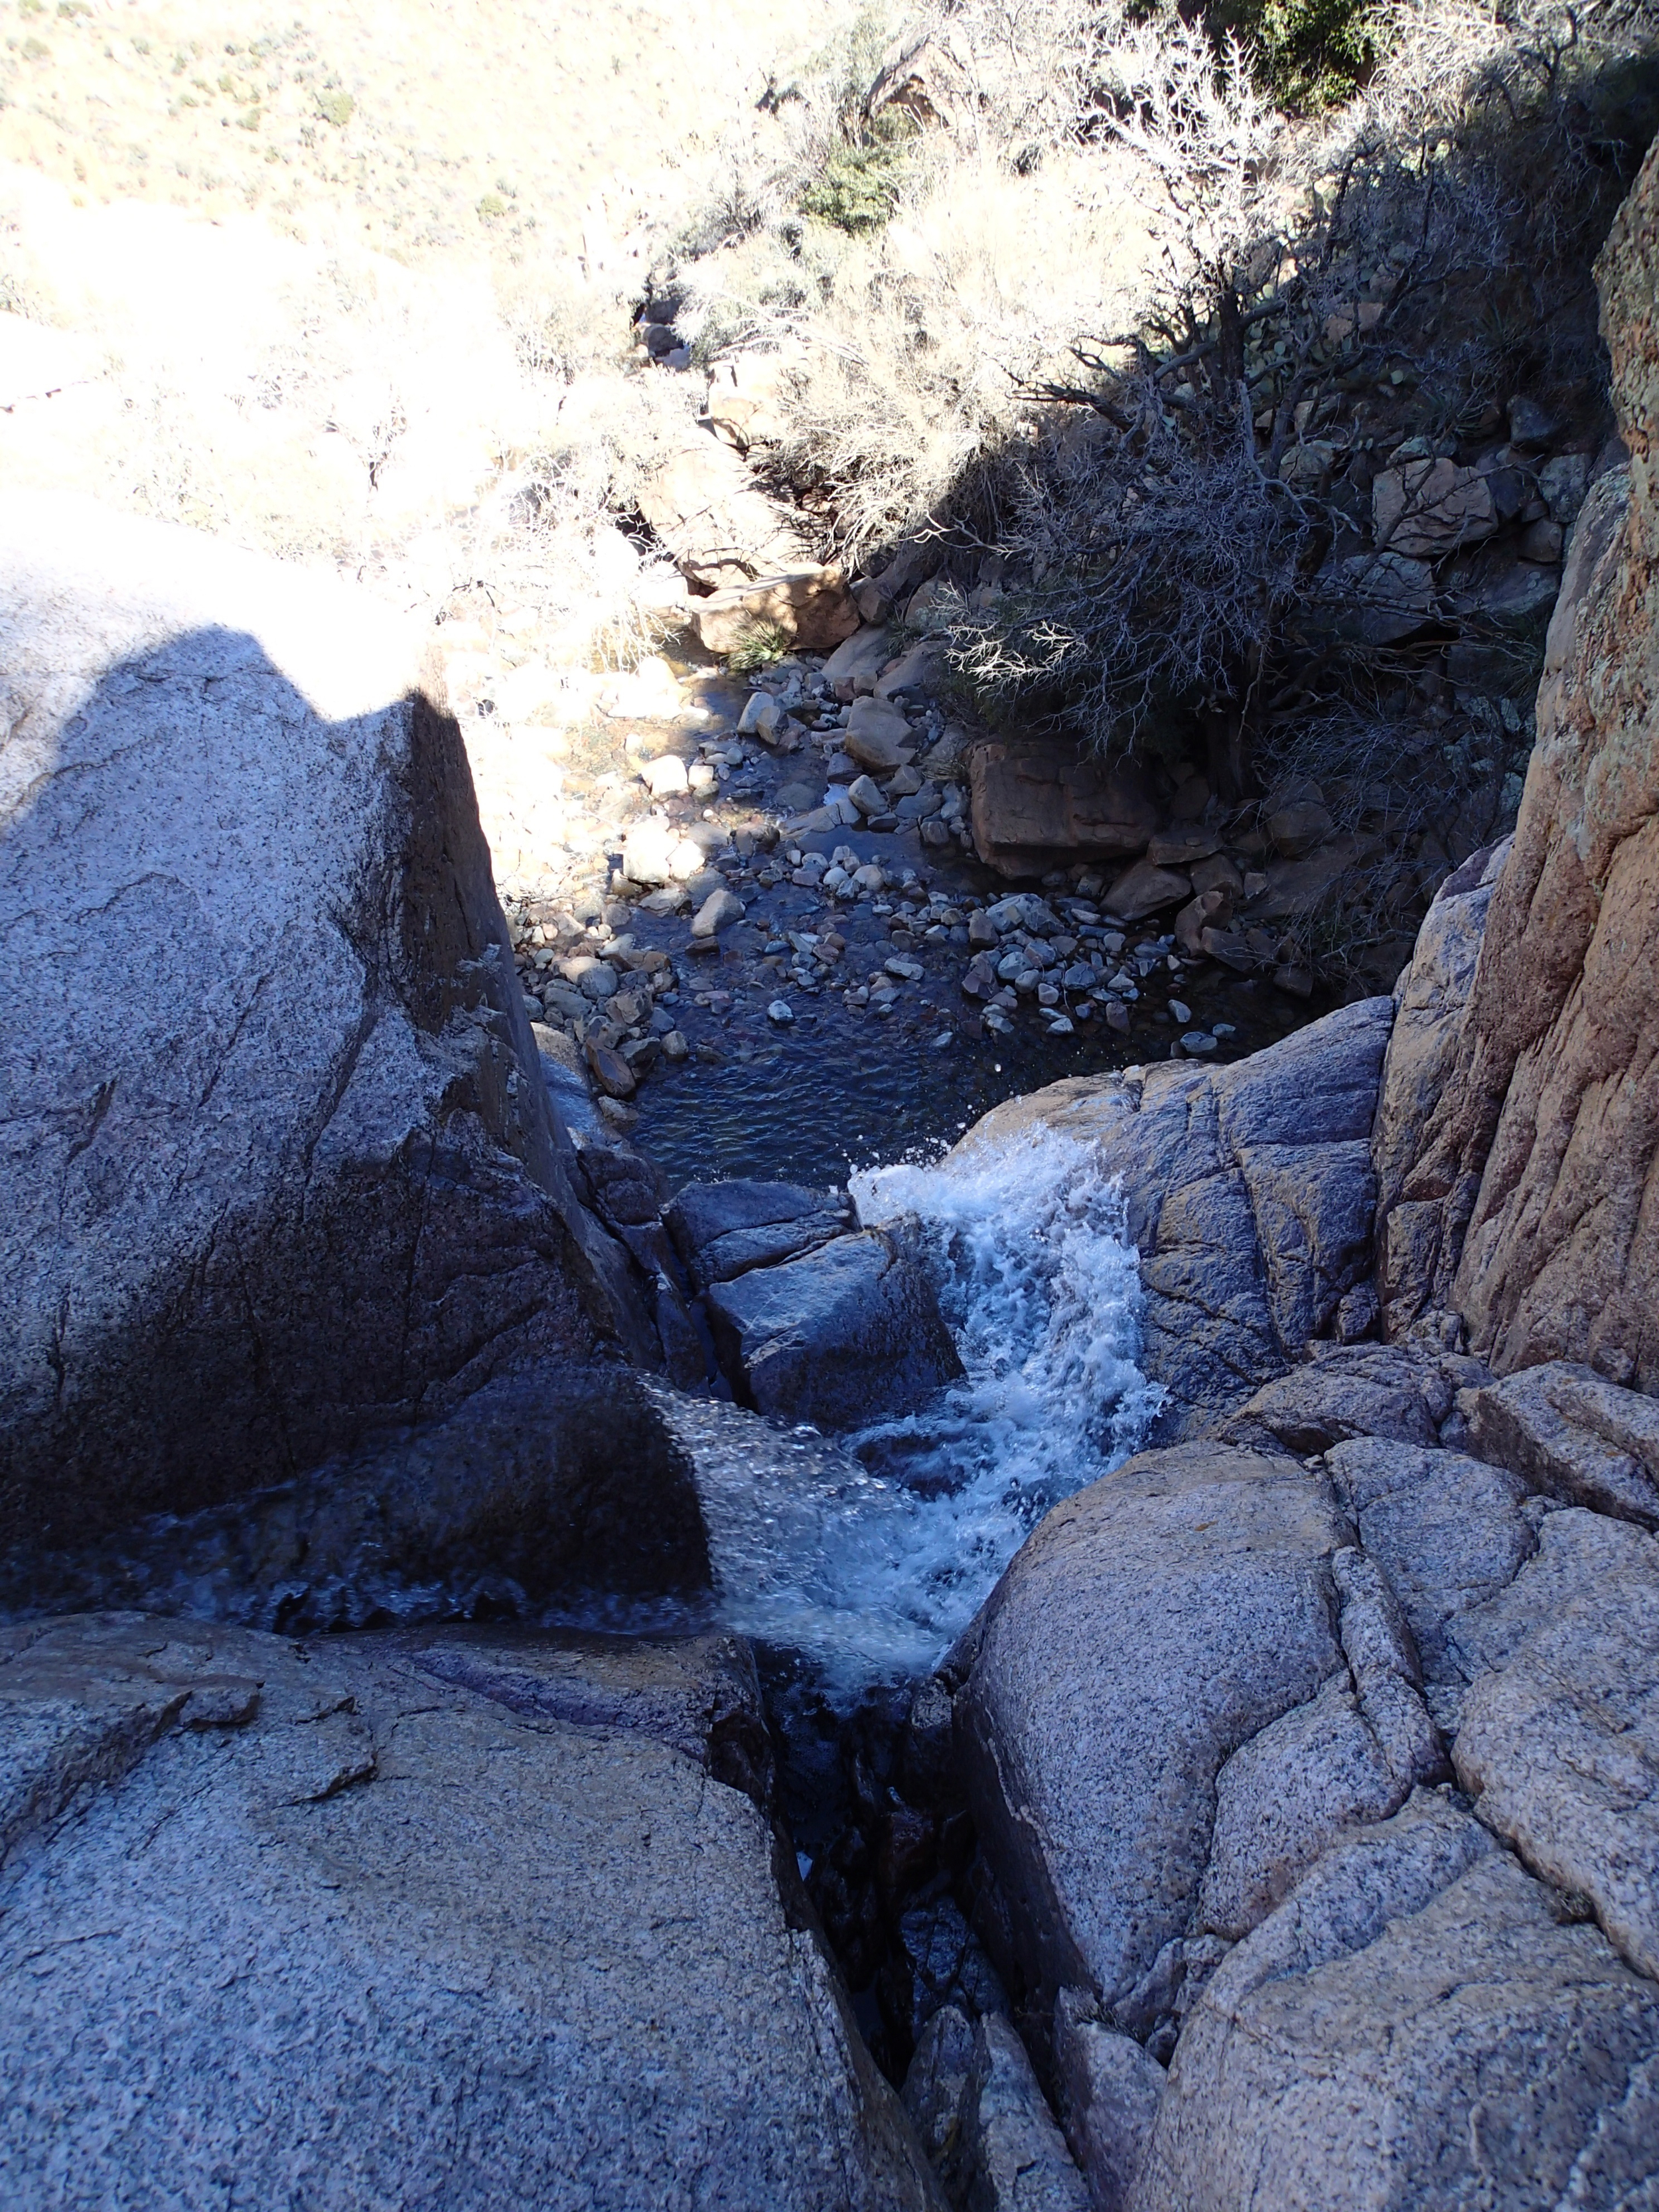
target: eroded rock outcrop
1527 1199
1249 1191
280 1164
453 1918
1417 2024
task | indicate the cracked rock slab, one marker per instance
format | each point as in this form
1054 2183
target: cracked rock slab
1447 1530
503 1958
1385 1390
1417 2025
1574 1434
1151 1627
1559 1742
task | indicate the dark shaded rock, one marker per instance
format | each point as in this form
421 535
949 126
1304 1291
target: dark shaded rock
1534 1170
723 1257
703 1211
554 1486
609 1070
1144 888
280 1167
849 1330
1037 805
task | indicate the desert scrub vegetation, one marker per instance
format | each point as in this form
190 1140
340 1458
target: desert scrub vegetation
1155 308
1324 301
358 288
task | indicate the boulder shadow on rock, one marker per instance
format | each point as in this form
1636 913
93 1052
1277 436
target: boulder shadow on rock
559 1488
280 1166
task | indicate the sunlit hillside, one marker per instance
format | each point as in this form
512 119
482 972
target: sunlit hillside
492 126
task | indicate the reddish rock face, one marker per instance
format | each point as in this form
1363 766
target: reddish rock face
1038 806
1533 1187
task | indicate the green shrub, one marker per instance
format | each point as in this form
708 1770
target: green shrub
335 107
759 647
860 181
492 207
1310 53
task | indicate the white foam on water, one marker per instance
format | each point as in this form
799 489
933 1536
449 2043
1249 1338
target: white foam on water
1041 1288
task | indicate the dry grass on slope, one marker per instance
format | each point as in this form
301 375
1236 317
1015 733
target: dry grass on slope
490 128
357 287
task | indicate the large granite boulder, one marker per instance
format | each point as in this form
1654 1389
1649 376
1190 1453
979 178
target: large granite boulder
1201 1716
1420 2024
451 1918
1249 1193
1154 1627
280 1166
1529 1186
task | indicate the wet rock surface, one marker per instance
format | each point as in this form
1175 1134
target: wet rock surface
845 1332
1250 1194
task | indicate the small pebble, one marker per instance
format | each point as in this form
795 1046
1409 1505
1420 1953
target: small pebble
782 1012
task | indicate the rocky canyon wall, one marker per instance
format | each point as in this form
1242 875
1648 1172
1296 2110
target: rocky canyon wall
1525 1195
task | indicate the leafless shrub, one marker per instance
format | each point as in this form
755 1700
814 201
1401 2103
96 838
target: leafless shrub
1205 560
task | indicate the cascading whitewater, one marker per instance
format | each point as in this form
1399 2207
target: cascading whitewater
876 1576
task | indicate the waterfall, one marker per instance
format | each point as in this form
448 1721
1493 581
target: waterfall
874 1562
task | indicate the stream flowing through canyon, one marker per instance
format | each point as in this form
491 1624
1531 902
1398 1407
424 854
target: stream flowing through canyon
1039 1287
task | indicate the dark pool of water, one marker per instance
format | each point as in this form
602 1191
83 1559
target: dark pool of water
840 1090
